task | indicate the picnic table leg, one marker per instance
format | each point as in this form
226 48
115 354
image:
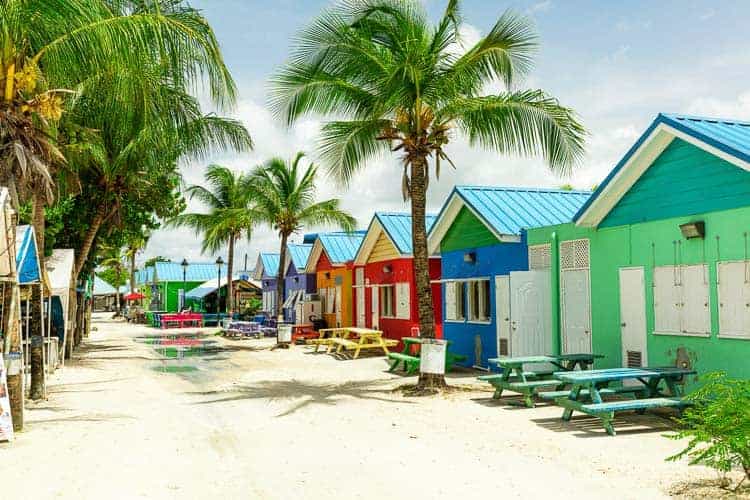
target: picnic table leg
575 391
607 419
529 397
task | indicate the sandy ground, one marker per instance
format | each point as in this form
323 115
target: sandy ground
249 422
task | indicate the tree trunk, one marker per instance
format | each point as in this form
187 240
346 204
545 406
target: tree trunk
230 269
72 317
132 269
38 222
11 326
418 195
280 280
88 239
36 391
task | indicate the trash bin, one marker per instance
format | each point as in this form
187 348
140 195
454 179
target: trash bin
432 357
284 333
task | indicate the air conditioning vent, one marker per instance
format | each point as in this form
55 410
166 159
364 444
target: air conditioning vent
635 359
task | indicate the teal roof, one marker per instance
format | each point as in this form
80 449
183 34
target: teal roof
101 287
509 210
172 271
729 136
341 247
270 263
299 253
27 258
398 228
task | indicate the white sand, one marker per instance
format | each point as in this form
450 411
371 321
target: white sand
291 424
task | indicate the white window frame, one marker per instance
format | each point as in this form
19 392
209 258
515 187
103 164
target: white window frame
475 297
387 301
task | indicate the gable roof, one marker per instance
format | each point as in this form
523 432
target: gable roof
506 211
101 287
60 269
396 227
210 286
268 265
299 253
340 247
727 139
27 256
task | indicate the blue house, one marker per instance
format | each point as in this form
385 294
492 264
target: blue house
479 234
296 281
267 271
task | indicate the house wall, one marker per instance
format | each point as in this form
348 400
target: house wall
170 292
492 259
328 276
402 271
294 281
651 244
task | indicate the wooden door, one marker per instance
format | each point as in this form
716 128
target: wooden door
502 314
359 290
633 336
530 313
576 311
375 307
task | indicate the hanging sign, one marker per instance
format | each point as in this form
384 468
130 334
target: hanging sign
6 422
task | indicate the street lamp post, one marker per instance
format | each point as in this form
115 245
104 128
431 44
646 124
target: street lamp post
219 264
184 265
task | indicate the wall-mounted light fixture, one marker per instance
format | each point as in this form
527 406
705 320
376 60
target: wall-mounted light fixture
387 268
470 257
327 275
695 229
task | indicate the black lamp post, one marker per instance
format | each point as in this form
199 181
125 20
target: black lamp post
219 264
184 265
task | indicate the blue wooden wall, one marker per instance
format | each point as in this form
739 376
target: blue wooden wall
293 280
491 261
683 180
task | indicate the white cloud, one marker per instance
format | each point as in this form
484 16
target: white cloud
540 7
738 108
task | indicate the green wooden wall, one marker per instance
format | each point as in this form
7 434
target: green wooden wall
651 244
465 232
683 180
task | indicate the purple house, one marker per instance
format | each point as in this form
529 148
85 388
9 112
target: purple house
267 271
297 283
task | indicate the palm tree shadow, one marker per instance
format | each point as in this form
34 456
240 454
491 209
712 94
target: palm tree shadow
311 393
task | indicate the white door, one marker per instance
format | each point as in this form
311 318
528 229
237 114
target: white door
530 313
338 307
502 308
359 290
375 307
633 317
576 311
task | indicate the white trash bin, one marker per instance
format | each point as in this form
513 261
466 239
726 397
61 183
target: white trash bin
432 356
284 332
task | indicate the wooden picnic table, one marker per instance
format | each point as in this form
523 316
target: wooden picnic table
588 387
410 358
326 336
303 332
517 377
365 338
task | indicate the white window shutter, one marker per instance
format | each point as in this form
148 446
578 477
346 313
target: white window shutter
667 300
450 300
402 301
338 303
695 310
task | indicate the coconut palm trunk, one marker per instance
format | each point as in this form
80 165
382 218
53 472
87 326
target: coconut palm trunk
38 222
230 271
11 325
88 240
280 279
36 391
132 270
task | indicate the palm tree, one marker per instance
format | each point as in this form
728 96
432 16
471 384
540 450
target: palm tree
394 82
229 217
284 198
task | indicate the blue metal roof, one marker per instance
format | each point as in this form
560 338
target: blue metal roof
270 263
509 210
27 259
398 228
730 136
101 287
341 247
172 271
299 253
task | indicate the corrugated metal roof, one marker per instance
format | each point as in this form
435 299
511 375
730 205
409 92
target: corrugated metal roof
508 210
270 263
210 287
27 260
398 227
299 254
101 287
172 271
730 136
341 247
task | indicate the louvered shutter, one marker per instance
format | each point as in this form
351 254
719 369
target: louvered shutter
450 301
403 302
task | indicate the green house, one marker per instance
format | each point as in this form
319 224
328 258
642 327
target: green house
164 282
655 270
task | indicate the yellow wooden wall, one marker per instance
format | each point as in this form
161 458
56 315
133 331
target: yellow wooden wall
345 274
383 250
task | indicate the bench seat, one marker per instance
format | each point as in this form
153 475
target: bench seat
585 392
632 404
533 383
402 357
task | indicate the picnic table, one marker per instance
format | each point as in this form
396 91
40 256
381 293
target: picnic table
181 320
409 356
517 377
588 387
357 339
242 329
303 332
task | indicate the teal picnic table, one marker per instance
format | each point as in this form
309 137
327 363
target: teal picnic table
517 377
409 356
588 387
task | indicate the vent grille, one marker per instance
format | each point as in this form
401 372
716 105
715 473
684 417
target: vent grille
540 257
635 359
574 254
503 347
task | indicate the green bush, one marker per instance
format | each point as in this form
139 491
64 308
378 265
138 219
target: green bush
717 426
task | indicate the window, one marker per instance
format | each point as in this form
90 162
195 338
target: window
479 300
387 300
681 300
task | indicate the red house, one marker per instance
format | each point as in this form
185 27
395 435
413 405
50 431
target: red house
385 294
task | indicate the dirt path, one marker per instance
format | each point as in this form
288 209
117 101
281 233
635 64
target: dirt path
247 422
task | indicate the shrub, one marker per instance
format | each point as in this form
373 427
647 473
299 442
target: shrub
717 426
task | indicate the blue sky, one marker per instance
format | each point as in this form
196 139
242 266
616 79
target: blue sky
617 63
